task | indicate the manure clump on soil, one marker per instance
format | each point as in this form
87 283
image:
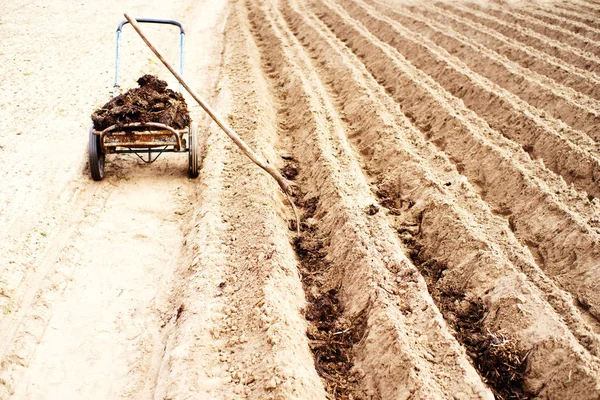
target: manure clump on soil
498 358
151 102
332 335
332 339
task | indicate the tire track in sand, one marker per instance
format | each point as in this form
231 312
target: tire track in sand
28 318
48 202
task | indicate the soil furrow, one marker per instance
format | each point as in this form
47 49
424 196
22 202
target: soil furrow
496 67
476 213
584 208
352 254
585 6
549 46
371 147
253 312
526 56
465 80
527 20
442 119
571 12
545 15
504 112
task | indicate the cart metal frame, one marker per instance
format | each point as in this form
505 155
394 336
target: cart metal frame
138 138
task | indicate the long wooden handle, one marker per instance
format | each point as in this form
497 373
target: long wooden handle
283 184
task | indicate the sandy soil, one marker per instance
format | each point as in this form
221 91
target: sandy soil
85 266
445 160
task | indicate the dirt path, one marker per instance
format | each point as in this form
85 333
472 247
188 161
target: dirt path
86 265
104 325
444 159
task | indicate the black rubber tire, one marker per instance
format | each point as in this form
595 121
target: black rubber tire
194 154
96 156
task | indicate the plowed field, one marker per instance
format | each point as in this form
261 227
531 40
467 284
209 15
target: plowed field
445 160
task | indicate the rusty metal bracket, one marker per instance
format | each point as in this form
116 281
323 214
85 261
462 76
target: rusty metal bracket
139 125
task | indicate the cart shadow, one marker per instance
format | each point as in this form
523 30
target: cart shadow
122 167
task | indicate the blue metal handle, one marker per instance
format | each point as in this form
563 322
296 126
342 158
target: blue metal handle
153 21
150 21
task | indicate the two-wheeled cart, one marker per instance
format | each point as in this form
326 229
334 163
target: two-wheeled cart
147 140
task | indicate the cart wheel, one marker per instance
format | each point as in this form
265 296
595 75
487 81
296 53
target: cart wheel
96 157
194 155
